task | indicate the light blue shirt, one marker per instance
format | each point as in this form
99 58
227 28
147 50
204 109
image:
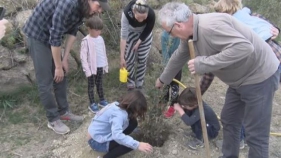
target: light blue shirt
258 25
109 124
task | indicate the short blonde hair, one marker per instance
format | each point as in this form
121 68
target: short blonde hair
228 6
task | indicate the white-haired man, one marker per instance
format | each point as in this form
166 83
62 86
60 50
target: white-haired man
236 55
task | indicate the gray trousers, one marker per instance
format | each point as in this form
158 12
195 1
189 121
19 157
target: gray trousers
44 66
251 104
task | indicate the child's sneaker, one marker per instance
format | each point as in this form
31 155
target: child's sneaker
94 108
219 144
190 134
170 112
242 144
195 144
103 103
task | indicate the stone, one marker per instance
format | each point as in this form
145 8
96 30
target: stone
13 6
5 58
22 17
197 8
174 152
12 79
20 57
9 27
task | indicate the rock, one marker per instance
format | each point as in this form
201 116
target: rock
12 79
20 20
12 6
9 27
5 59
22 17
16 73
174 152
20 57
197 8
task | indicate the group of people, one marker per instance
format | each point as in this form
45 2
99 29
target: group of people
239 55
236 54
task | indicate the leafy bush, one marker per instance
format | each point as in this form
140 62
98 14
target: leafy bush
12 39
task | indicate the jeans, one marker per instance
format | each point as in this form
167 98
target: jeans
100 147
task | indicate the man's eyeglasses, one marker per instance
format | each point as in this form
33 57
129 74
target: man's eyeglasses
171 29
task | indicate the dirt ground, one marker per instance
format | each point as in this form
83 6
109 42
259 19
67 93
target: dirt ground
31 138
175 145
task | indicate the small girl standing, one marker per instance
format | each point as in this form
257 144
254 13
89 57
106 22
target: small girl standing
110 128
94 61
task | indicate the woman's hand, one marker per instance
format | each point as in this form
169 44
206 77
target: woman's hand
275 32
136 46
122 63
145 147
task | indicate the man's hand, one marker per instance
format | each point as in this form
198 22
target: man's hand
145 147
158 84
59 75
3 22
275 32
65 65
191 66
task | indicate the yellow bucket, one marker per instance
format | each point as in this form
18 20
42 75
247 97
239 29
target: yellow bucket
123 75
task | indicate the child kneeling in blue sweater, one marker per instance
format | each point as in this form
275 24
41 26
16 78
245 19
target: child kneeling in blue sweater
110 128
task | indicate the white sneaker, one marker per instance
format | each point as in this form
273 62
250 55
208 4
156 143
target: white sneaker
242 144
58 127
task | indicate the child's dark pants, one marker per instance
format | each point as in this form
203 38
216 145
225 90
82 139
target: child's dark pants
197 130
115 149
